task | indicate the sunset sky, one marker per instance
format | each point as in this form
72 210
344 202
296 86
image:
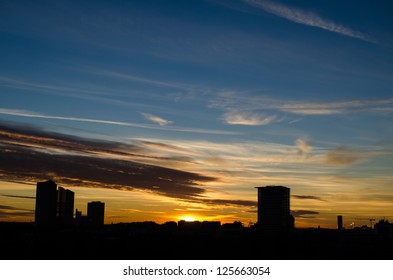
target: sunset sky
172 109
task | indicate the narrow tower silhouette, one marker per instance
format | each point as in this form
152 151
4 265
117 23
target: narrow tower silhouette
339 222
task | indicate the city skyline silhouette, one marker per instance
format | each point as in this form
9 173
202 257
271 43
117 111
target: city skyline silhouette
181 111
73 214
56 235
273 210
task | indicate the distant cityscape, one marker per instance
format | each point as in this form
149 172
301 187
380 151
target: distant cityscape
59 234
55 206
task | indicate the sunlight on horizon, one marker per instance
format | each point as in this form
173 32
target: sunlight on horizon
188 218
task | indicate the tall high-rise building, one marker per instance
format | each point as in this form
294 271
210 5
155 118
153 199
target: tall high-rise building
95 213
46 203
274 209
65 205
53 206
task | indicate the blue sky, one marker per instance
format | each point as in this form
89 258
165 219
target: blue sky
237 93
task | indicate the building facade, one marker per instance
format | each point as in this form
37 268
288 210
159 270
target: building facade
274 209
65 205
46 203
95 213
54 206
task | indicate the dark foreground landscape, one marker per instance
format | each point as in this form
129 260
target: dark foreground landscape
151 241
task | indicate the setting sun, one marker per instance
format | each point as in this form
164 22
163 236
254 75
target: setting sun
188 218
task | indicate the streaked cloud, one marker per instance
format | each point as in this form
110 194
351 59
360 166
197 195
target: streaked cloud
18 196
29 114
33 138
135 78
307 18
304 213
85 91
249 203
314 112
303 146
156 119
48 88
187 170
99 172
346 156
31 155
342 155
11 212
206 204
25 113
6 207
167 147
247 118
183 90
252 109
307 197
332 108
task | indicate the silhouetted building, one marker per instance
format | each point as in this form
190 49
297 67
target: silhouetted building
170 227
80 220
274 209
339 222
53 206
210 227
78 216
233 227
65 206
46 203
95 213
188 226
384 229
291 222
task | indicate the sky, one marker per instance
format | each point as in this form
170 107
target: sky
170 110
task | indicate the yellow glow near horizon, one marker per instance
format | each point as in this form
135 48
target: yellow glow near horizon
188 218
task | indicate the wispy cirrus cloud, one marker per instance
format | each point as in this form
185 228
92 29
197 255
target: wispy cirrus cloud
303 146
342 155
307 18
304 213
35 138
30 114
90 92
307 197
247 118
10 211
185 170
242 108
235 163
135 78
18 196
167 147
156 119
27 155
50 88
183 89
332 108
